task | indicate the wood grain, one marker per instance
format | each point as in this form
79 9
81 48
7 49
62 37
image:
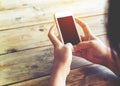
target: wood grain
91 75
26 53
30 64
16 4
37 35
20 13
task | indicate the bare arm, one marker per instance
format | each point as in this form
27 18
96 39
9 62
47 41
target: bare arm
113 62
62 60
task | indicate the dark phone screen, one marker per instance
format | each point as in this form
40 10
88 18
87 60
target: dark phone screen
68 30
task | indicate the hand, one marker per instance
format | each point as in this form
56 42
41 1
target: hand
62 59
91 48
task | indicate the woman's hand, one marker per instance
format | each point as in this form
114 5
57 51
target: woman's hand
62 60
91 48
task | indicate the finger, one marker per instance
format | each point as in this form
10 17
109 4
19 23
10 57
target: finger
59 38
52 37
83 38
85 28
69 45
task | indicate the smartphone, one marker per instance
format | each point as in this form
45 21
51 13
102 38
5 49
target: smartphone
67 27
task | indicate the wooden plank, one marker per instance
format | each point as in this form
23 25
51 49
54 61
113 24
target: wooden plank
91 75
37 35
41 12
30 64
9 4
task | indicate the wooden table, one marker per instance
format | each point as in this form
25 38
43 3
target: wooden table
26 54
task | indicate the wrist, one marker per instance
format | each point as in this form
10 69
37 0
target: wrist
112 62
61 70
108 59
57 77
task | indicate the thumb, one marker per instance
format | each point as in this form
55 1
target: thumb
81 45
69 45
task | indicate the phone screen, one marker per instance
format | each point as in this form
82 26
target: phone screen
68 30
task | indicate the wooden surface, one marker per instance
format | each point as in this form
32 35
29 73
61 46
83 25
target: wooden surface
26 54
90 75
36 36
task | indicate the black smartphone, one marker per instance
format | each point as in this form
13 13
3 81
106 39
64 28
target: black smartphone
67 27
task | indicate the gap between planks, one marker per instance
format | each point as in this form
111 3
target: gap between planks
35 36
79 8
